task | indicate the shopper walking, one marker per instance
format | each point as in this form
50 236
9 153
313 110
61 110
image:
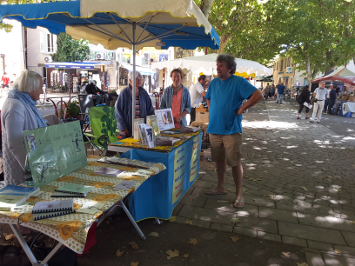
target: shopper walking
197 93
326 103
319 98
224 98
280 93
332 99
304 98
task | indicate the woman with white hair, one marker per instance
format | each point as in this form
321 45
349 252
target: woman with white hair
123 107
19 113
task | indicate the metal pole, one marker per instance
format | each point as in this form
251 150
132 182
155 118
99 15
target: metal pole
134 77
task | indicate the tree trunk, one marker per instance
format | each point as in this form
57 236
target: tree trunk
309 71
206 7
223 42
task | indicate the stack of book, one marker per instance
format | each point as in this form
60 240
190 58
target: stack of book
12 196
189 129
72 191
48 209
166 141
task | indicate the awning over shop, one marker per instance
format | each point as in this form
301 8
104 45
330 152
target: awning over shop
143 70
340 74
265 79
74 65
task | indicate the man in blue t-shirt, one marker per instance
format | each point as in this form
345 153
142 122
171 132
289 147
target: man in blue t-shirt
280 93
224 97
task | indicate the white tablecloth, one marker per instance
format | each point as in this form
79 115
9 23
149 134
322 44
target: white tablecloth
350 107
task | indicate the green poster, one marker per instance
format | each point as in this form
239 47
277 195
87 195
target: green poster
54 151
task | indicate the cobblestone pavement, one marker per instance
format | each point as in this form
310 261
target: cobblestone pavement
299 185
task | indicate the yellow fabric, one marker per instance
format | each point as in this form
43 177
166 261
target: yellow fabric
244 74
72 229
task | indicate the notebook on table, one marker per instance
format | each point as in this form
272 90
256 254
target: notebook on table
75 189
39 216
12 196
108 171
58 194
54 206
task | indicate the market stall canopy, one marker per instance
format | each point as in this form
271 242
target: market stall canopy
75 65
207 65
339 74
143 70
113 24
265 79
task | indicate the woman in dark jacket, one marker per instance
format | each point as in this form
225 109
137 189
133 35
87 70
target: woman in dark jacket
304 98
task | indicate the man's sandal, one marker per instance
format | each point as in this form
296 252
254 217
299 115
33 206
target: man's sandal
215 192
236 202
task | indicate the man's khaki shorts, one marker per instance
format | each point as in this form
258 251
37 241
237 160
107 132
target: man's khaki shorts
226 147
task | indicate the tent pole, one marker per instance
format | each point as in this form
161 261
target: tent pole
134 77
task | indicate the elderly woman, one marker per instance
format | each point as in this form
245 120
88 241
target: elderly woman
177 97
123 107
19 113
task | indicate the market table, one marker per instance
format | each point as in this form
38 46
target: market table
72 229
158 196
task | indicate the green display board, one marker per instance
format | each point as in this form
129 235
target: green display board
54 151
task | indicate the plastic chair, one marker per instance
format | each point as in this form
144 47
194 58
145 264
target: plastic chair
104 127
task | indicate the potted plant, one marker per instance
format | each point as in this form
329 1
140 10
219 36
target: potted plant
73 110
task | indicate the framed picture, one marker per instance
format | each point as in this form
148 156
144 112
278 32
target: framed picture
165 119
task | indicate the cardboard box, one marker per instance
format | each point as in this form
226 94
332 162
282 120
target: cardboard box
201 125
351 99
202 117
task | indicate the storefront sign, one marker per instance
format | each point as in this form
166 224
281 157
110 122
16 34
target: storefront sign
54 151
288 70
179 173
194 158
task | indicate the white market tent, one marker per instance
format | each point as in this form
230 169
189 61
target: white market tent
206 64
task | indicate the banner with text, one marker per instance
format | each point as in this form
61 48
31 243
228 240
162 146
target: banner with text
195 158
179 174
54 151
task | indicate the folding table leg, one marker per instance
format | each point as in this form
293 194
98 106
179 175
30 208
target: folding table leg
131 219
28 251
158 221
24 245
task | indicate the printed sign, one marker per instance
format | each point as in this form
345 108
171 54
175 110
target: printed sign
165 119
194 158
54 151
179 173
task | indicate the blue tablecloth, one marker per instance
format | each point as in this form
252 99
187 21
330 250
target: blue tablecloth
158 196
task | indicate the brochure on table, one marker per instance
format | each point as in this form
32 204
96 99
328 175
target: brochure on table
54 151
165 119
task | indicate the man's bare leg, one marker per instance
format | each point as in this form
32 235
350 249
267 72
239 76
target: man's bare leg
237 172
221 171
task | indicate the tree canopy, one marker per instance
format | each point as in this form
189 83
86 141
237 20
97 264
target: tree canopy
70 50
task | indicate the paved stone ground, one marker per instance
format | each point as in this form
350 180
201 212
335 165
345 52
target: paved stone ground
299 185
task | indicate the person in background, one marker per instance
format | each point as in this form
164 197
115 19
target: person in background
319 95
272 91
5 81
304 97
337 89
326 103
91 88
123 108
344 91
197 93
177 97
224 97
280 93
266 92
332 99
19 113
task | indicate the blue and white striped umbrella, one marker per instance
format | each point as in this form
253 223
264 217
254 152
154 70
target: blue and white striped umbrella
121 23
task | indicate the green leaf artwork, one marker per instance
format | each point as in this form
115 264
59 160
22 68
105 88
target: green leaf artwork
54 151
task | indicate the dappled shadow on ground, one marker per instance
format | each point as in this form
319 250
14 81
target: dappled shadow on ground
298 186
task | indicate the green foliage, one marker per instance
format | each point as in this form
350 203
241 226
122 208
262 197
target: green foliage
6 27
73 109
70 50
